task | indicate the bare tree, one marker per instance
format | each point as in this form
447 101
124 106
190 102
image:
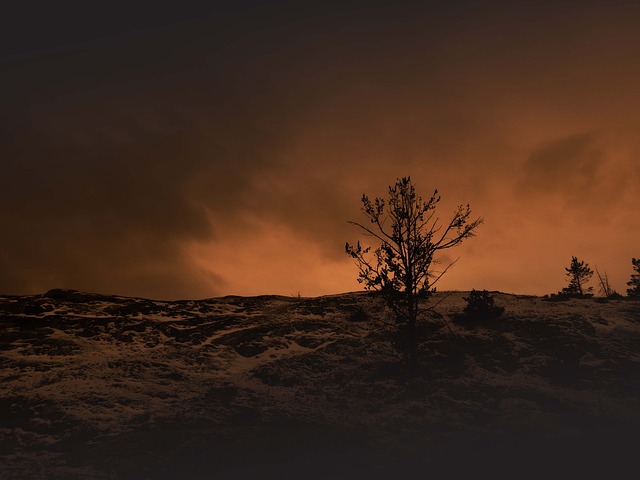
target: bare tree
409 236
606 290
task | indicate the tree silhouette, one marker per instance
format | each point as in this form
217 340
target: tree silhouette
606 290
634 283
409 237
579 274
480 307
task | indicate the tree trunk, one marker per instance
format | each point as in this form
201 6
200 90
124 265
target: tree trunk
411 340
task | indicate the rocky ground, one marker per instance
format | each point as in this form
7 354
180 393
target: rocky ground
109 387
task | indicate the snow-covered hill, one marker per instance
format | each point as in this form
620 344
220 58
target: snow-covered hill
95 386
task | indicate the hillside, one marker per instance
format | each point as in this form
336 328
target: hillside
95 386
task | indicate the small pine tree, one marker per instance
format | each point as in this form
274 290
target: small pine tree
480 306
579 274
634 283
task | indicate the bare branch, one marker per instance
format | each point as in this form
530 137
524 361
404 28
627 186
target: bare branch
409 235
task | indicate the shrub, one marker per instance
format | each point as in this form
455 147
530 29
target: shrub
480 307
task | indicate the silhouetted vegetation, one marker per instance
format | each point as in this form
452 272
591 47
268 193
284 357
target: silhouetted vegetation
480 307
606 290
579 274
634 283
409 236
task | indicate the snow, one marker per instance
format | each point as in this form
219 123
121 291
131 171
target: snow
84 374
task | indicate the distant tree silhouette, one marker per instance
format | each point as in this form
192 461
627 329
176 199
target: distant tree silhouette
606 290
480 307
634 283
409 236
579 274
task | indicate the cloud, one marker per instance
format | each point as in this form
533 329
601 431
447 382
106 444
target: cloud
584 175
157 165
569 167
98 215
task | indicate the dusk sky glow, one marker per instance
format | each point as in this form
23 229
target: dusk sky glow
198 149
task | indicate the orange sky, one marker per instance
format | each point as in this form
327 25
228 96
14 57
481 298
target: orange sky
224 153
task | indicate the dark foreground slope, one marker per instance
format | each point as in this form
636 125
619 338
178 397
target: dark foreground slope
274 387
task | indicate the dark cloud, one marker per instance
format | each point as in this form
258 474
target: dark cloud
570 167
156 157
581 174
113 204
